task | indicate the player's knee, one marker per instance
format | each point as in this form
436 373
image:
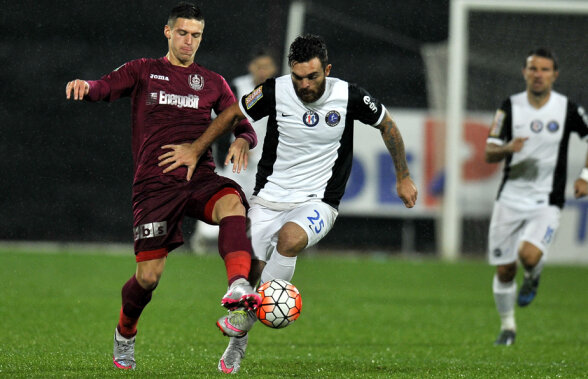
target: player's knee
228 205
292 239
506 273
148 279
529 254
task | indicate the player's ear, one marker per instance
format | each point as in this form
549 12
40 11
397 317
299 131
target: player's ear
167 32
328 69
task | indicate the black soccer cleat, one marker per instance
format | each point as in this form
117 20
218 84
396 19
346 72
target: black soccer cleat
505 338
528 291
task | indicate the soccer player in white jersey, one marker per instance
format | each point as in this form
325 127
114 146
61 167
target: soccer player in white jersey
530 132
304 167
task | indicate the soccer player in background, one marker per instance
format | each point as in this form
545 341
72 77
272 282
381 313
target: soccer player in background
304 167
530 132
172 98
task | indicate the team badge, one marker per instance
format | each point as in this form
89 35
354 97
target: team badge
196 82
310 118
332 118
497 252
536 126
552 126
253 97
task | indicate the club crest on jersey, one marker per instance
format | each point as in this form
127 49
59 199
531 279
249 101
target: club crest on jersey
552 126
310 118
332 118
536 126
196 82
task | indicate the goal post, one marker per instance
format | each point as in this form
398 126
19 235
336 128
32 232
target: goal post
461 11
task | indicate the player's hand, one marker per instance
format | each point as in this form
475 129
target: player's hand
407 192
179 155
516 144
580 188
78 87
238 154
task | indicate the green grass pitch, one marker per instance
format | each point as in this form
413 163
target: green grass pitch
361 317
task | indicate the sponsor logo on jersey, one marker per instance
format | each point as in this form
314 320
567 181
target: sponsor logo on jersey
310 118
150 230
332 118
368 101
159 77
253 97
196 82
180 101
552 126
497 123
536 126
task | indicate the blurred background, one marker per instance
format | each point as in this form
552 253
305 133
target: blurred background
67 167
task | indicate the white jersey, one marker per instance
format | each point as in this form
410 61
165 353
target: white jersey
536 176
242 85
308 148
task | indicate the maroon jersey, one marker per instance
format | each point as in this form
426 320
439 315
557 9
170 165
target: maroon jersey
170 105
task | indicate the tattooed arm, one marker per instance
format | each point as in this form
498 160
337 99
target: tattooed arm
404 185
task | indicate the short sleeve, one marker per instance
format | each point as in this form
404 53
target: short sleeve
364 107
260 102
577 119
500 131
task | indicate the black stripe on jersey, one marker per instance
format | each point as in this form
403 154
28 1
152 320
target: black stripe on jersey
265 167
557 195
506 136
342 167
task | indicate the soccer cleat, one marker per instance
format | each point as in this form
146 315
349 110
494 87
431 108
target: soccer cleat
230 362
237 323
528 291
506 338
241 294
123 355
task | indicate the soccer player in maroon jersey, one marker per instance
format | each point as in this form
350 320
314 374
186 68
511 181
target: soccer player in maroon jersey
172 98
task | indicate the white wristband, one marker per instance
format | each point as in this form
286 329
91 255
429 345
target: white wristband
584 174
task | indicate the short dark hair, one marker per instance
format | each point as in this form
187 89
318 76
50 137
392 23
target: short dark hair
307 47
262 52
185 10
545 53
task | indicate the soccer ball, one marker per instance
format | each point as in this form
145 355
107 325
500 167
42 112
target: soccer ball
281 303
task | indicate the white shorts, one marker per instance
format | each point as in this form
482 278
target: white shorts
315 217
509 227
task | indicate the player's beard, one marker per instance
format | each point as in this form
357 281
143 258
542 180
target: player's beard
310 96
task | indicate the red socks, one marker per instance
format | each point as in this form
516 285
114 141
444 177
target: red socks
234 247
134 300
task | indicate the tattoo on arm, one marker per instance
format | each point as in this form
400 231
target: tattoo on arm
395 145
